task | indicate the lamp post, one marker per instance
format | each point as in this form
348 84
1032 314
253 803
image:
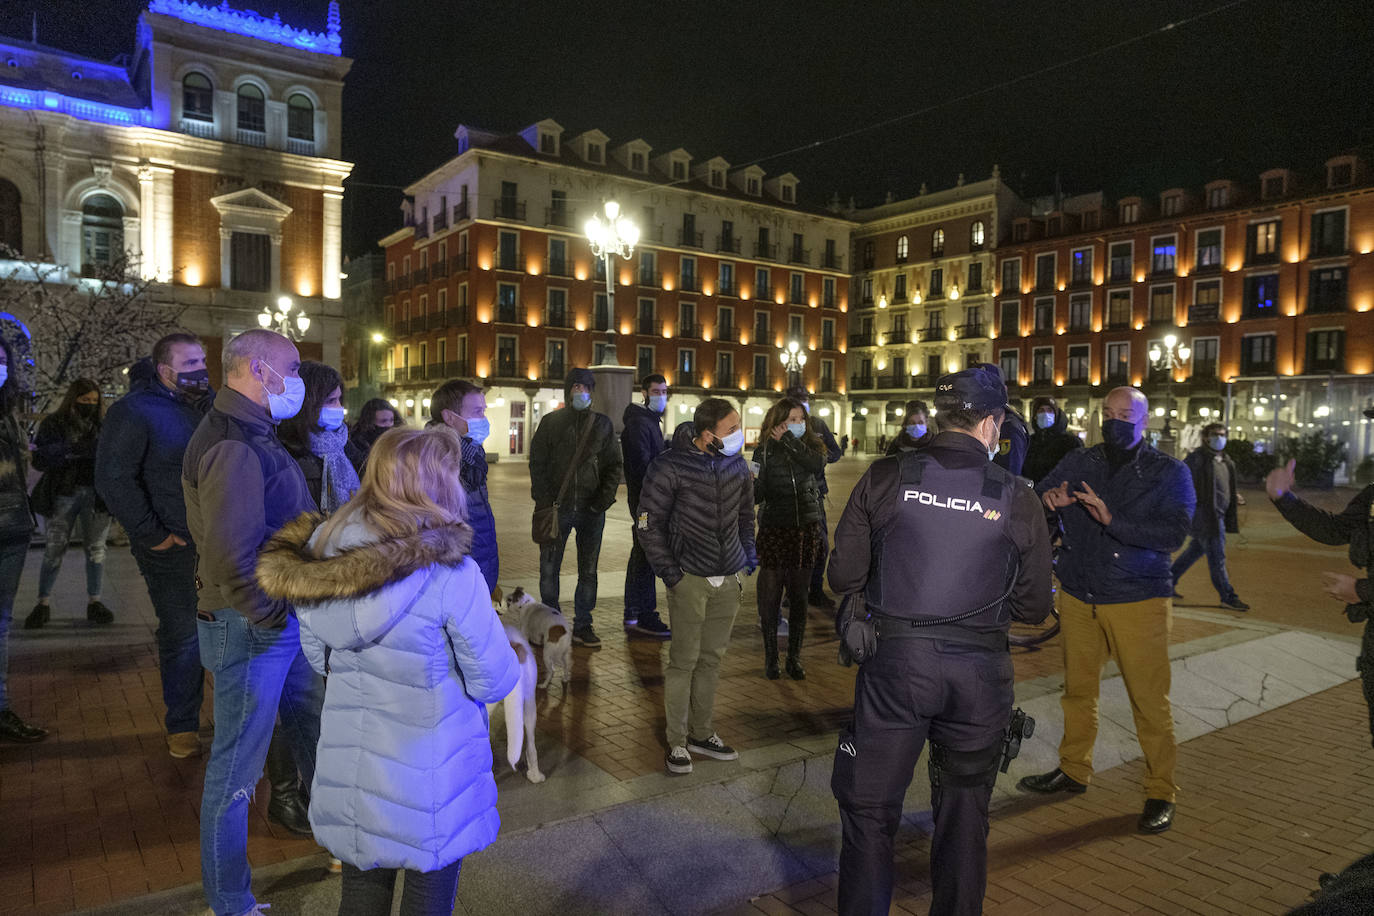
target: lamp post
793 359
611 237
1173 356
280 320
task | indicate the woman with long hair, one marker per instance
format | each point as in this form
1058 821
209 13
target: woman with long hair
396 612
789 457
16 523
65 452
376 417
316 437
916 433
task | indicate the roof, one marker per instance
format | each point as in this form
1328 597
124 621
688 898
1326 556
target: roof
39 68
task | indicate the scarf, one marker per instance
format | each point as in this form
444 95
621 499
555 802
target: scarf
340 481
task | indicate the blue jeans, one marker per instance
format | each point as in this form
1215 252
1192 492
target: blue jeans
1215 551
641 587
11 567
259 671
69 512
589 526
171 578
370 892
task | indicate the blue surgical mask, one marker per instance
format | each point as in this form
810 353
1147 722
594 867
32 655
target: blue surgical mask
797 429
286 405
478 429
1217 443
331 417
1044 420
916 430
4 373
581 400
731 444
658 402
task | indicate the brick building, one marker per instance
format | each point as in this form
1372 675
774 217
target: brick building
492 278
209 156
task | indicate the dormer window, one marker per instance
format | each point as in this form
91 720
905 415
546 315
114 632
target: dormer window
679 170
1274 186
548 143
752 186
594 152
1218 197
717 178
636 162
787 193
1340 174
1129 212
1173 205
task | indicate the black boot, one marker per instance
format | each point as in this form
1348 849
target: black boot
770 596
796 632
770 652
288 806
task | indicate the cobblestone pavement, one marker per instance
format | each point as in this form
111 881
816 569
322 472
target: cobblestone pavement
99 813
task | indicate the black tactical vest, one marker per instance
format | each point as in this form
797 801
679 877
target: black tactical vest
945 551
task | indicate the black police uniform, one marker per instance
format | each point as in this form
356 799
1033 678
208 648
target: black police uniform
929 535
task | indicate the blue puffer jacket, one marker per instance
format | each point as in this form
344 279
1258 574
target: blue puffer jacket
1151 501
405 631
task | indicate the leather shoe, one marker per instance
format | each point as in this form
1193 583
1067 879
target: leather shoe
1157 817
1051 782
290 810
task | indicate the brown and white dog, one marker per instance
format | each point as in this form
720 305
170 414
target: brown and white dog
543 626
519 708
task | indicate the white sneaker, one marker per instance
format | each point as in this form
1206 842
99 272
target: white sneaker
679 761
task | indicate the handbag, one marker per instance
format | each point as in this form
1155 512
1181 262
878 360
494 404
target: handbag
544 528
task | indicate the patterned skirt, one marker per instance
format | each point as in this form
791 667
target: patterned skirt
788 548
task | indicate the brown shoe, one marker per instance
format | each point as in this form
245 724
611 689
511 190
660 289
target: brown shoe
183 744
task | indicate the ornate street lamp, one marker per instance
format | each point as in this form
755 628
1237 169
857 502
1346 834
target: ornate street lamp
280 320
1173 356
611 237
793 359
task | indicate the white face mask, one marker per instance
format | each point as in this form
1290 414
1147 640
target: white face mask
916 430
286 405
658 402
332 417
478 429
797 429
731 444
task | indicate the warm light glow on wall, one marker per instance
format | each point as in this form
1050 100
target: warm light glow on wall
844 307
953 336
1058 381
1140 325
667 332
1234 266
534 376
1359 366
533 268
482 373
1362 306
1097 380
1140 277
705 290
744 293
667 285
532 320
192 276
580 273
744 338
625 279
1061 287
882 364
580 325
706 336
484 263
1060 331
843 349
1097 327
304 289
1136 383
777 386
484 317
1026 291
625 328
706 381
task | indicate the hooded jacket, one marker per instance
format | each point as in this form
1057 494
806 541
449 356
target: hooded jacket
786 485
405 631
641 441
1202 464
1048 446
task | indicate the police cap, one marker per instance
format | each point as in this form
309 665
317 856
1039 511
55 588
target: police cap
979 387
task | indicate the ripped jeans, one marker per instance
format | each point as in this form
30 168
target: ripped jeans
259 672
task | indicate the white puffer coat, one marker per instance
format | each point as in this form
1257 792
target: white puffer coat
405 631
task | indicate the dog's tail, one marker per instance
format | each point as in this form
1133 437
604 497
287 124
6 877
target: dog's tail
515 710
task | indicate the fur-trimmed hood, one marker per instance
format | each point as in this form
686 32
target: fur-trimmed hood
356 591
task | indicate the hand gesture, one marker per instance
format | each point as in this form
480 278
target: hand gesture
1280 480
777 432
1094 504
1057 498
1339 586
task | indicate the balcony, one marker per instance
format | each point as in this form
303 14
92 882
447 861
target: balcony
1113 324
690 239
1204 313
933 333
829 302
724 288
935 294
403 282
727 333
827 383
799 256
557 319
897 336
689 331
250 137
827 343
893 380
1119 274
438 270
765 251
651 279
461 212
683 379
506 208
553 372
1080 327
859 382
510 314
440 221
557 216
690 283
419 276
862 339
648 327
1253 259
832 261
922 381
1077 282
728 244
968 331
457 317
761 383
796 297
1163 271
459 262
558 268
198 128
510 263
421 229
510 369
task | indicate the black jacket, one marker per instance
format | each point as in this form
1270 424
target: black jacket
904 443
1353 526
1011 448
786 483
833 452
64 450
14 491
1202 465
641 441
138 461
555 442
1048 447
696 514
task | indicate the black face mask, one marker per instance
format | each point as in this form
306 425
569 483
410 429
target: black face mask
88 411
1118 434
192 386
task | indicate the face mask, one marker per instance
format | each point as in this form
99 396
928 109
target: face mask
797 429
1044 420
1118 433
286 405
4 373
88 411
331 417
996 444
1217 443
191 386
581 400
916 430
658 402
478 429
731 444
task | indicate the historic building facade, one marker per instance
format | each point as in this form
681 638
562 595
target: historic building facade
493 279
209 157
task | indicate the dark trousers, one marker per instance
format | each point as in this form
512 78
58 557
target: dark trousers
426 893
818 571
588 525
171 578
959 697
1214 548
641 595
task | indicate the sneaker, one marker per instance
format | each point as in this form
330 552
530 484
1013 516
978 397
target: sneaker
650 626
1235 604
679 761
183 744
13 728
630 622
586 636
40 615
713 747
99 614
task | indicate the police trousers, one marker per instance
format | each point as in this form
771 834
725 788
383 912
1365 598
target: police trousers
959 697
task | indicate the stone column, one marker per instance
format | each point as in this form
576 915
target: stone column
225 256
163 217
275 239
147 240
332 234
615 387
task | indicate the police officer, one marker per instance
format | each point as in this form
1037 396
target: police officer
946 548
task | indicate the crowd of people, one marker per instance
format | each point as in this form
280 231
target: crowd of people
337 583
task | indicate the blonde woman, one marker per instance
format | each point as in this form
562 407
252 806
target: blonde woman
396 613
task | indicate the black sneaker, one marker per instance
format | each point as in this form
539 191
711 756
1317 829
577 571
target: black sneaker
13 728
679 761
713 747
1235 604
650 626
586 636
99 614
40 615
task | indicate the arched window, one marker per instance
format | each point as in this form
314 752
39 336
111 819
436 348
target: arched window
300 118
975 234
11 221
937 243
252 109
197 97
901 248
102 233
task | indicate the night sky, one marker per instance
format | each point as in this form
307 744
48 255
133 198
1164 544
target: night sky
1261 83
